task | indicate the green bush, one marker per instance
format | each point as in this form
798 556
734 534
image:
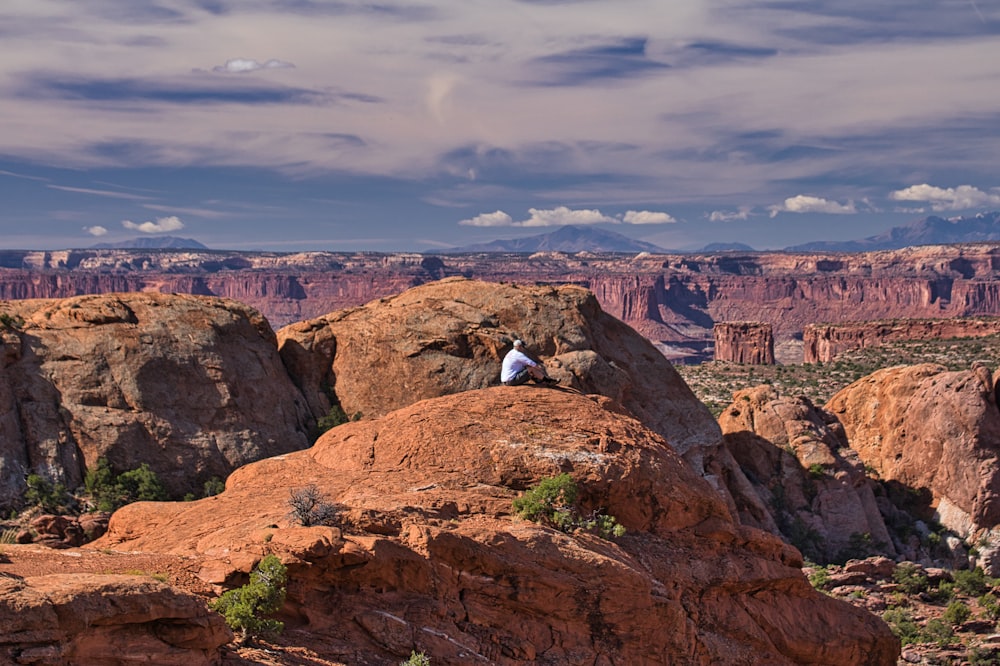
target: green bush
553 502
991 606
213 487
910 578
956 613
110 491
973 583
51 497
245 608
937 631
902 624
416 659
335 417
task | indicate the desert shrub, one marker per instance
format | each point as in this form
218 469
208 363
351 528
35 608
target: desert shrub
245 608
553 502
937 631
943 593
956 613
902 624
820 577
982 656
910 578
51 497
990 606
973 583
310 507
10 321
333 418
416 659
213 487
109 491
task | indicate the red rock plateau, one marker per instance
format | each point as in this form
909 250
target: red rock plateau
427 556
823 342
744 342
674 300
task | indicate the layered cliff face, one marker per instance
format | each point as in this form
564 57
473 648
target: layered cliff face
824 342
744 342
426 555
672 299
192 386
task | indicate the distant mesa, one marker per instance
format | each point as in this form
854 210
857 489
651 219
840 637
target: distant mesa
153 243
930 230
725 247
569 238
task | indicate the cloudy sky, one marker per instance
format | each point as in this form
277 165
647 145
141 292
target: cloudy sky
356 125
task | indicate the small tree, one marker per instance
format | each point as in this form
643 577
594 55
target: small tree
553 501
310 507
245 608
51 496
110 491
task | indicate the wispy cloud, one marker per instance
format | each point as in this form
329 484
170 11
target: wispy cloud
111 194
743 213
244 65
963 197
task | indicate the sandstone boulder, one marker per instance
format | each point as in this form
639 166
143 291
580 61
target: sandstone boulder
110 620
426 554
800 464
191 385
931 430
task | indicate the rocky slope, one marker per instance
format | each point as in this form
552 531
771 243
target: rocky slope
427 556
192 386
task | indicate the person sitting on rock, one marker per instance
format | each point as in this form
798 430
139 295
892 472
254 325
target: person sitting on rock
518 368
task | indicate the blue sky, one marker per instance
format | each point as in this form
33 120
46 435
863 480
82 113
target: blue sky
340 125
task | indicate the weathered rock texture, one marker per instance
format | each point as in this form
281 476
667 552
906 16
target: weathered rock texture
824 342
931 430
105 619
672 299
427 556
800 464
193 386
744 342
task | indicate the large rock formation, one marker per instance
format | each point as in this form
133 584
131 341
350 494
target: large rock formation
931 430
426 555
744 342
112 620
799 461
824 342
193 386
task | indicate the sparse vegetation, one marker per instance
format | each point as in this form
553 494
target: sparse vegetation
416 659
553 502
247 608
310 507
335 417
50 496
109 491
10 321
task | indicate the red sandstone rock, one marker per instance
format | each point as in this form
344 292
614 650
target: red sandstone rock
105 619
801 465
744 342
824 342
191 385
928 428
428 557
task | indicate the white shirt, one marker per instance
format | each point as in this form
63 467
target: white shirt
513 363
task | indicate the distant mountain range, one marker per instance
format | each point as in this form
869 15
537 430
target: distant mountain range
565 239
931 230
153 243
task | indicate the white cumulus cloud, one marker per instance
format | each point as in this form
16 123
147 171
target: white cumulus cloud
556 217
804 203
647 217
495 219
242 65
96 230
951 198
162 224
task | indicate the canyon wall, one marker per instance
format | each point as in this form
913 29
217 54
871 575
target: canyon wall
823 342
674 300
744 342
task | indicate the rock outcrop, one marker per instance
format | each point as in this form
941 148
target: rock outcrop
801 466
824 342
744 342
112 620
426 555
193 386
934 431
